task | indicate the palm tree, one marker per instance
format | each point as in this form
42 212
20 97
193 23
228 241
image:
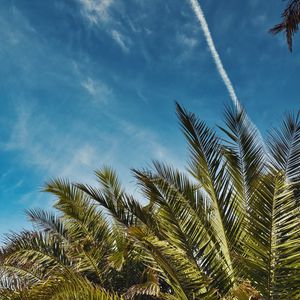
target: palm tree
79 252
228 229
290 23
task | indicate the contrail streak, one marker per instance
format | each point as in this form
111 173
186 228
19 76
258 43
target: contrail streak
211 45
200 15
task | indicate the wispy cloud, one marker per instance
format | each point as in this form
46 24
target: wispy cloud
187 41
98 90
98 13
186 44
147 143
19 132
121 40
41 144
96 10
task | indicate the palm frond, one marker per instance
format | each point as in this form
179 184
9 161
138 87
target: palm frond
111 196
244 154
284 147
183 221
47 221
80 215
290 23
151 287
183 276
272 252
208 168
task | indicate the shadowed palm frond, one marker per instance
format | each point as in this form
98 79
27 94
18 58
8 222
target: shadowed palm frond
290 23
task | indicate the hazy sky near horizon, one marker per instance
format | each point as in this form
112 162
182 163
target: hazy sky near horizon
85 83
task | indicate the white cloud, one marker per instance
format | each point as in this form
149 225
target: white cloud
260 21
19 133
42 145
187 41
74 152
82 158
96 10
89 85
121 40
146 141
39 143
98 13
99 91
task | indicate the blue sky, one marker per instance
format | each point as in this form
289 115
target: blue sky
90 82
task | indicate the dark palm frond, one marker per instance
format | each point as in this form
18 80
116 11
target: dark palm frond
290 23
7 294
151 287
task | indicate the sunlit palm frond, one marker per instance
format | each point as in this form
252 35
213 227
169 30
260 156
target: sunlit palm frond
245 155
48 221
182 220
181 273
272 251
284 147
80 215
110 196
207 165
29 258
68 286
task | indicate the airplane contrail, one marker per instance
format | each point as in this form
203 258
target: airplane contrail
216 57
200 15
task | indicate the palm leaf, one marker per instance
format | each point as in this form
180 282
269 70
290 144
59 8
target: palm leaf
290 23
284 147
207 167
273 255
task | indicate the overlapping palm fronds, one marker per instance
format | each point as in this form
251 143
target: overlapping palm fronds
229 228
